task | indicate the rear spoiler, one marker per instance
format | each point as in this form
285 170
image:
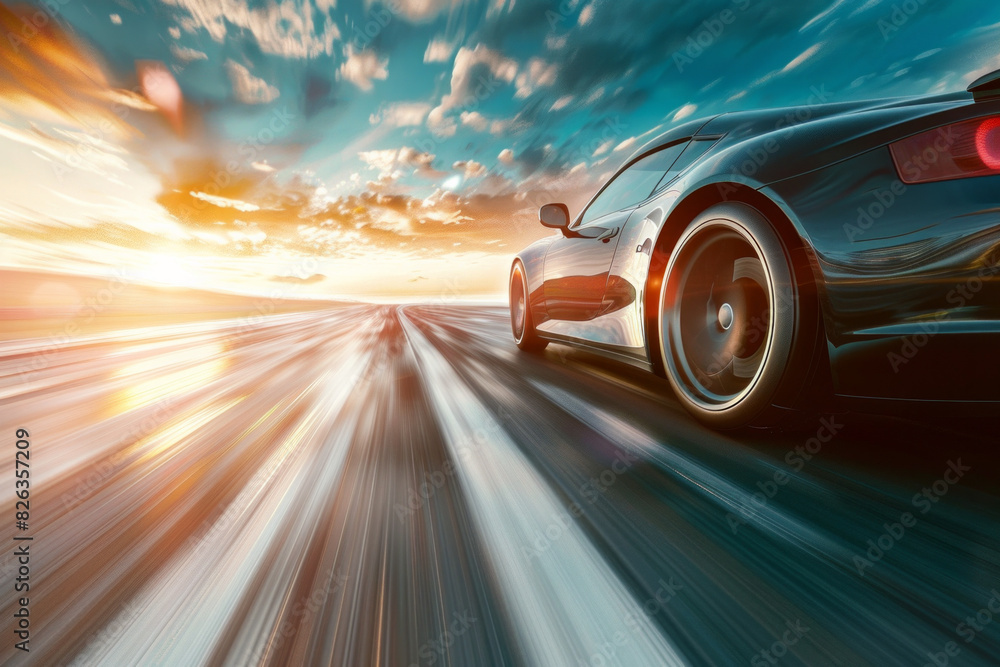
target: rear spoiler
986 87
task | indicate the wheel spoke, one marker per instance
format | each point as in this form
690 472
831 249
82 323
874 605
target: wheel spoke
750 268
718 326
747 367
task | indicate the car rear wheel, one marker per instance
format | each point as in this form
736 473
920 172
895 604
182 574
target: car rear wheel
731 317
521 323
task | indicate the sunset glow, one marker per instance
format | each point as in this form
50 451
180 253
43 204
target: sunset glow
367 150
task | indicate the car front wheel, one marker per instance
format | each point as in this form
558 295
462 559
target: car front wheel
521 323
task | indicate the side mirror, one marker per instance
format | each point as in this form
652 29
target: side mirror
555 216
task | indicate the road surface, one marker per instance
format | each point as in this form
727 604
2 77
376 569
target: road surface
382 485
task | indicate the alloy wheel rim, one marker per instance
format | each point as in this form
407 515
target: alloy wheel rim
518 304
718 320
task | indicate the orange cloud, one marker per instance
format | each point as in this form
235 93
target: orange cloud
46 75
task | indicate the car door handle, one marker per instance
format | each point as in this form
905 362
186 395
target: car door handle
645 247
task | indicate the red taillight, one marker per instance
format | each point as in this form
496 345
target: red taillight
988 142
963 150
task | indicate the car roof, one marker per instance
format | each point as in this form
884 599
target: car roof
761 120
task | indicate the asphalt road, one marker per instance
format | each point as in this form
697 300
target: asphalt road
375 485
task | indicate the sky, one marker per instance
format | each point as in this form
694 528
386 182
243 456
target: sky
394 149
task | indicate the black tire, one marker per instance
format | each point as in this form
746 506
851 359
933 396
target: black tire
729 353
521 323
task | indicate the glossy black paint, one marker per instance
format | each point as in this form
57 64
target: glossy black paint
909 278
907 275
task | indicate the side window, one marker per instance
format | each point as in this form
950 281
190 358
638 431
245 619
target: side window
694 150
633 185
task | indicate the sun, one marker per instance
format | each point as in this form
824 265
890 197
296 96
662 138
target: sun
166 270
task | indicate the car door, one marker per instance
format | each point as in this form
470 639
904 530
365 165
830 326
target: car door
627 276
575 272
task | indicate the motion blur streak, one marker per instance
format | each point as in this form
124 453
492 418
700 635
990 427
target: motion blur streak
376 485
508 520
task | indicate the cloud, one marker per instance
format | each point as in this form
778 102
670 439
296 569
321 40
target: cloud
926 54
387 161
603 147
499 7
506 156
475 75
802 57
248 88
49 76
822 15
308 280
475 120
225 202
287 29
471 169
403 114
561 103
361 67
628 143
420 11
620 57
538 73
500 127
71 149
438 51
187 55
685 111
556 43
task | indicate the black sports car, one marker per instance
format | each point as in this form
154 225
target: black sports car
760 259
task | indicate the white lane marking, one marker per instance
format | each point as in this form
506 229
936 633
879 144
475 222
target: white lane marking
569 606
